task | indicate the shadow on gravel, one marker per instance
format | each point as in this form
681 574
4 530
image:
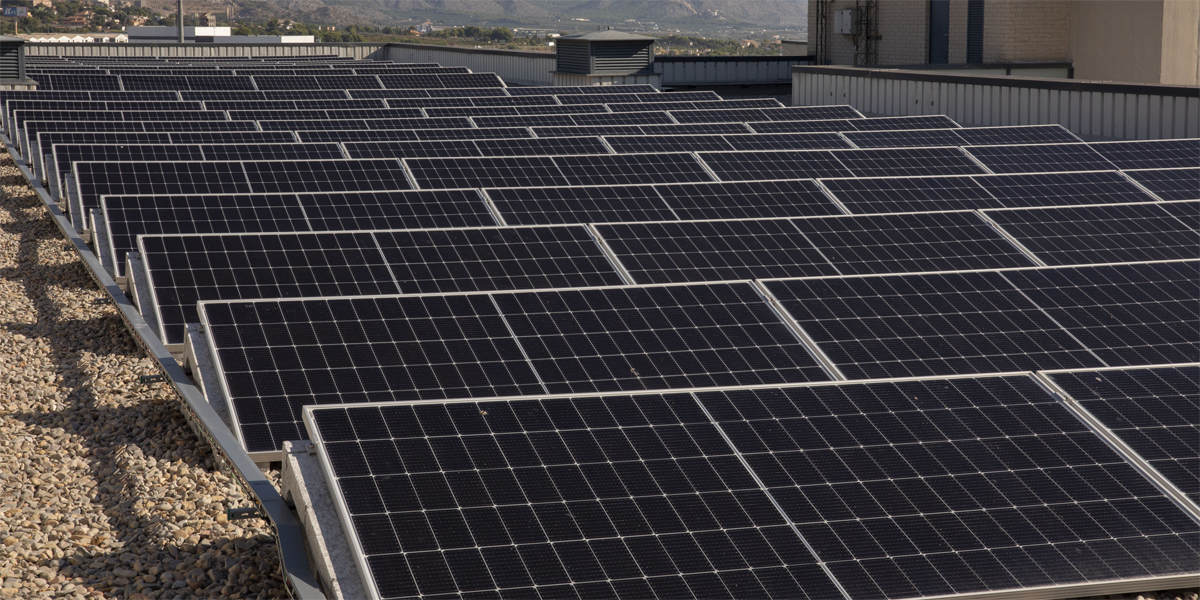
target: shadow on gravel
156 483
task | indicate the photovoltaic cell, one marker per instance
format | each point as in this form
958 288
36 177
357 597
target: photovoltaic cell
747 199
1129 315
1061 188
679 252
910 194
1170 184
1040 158
97 179
907 161
395 210
910 243
325 176
904 138
531 171
617 497
1188 212
942 487
1151 154
467 260
549 205
1155 411
465 148
277 355
1100 234
750 166
928 324
1022 134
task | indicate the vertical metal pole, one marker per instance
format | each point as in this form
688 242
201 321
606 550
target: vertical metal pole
180 21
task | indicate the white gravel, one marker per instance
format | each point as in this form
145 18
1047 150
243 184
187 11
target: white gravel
104 490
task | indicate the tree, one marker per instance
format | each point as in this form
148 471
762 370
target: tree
501 34
472 31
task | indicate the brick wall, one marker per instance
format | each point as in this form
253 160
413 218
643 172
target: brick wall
1013 31
1026 30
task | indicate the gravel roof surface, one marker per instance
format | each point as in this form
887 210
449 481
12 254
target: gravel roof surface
104 490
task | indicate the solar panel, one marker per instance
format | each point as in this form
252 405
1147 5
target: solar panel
638 118
345 124
130 216
621 106
794 113
531 171
1100 234
96 179
550 205
1169 184
395 135
746 199
910 194
33 128
225 95
744 166
751 166
90 105
1151 154
800 126
1154 411
66 155
79 82
281 176
468 101
325 115
1061 188
272 105
907 161
917 122
692 129
615 497
1023 134
1040 158
463 148
316 82
1129 315
928 324
910 243
944 487
681 252
1188 212
697 96
910 138
575 90
396 210
429 93
185 82
484 111
471 80
182 270
698 143
515 258
498 344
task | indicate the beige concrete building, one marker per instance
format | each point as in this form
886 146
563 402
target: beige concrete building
1146 41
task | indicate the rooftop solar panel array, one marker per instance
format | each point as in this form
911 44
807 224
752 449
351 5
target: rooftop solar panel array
591 341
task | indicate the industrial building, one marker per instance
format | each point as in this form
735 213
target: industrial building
1144 41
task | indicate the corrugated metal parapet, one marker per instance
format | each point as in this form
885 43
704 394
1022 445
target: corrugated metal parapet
1092 109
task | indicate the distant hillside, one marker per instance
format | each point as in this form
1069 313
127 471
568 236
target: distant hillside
533 13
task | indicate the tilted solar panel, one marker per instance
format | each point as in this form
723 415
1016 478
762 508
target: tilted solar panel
573 90
1169 184
532 171
1061 188
429 93
316 82
127 217
463 148
1151 154
325 176
907 161
461 346
1040 158
345 124
1100 234
698 96
549 205
747 199
622 106
1129 315
396 135
691 129
1021 134
615 497
185 82
680 252
910 194
903 243
1186 211
929 324
1155 411
903 138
